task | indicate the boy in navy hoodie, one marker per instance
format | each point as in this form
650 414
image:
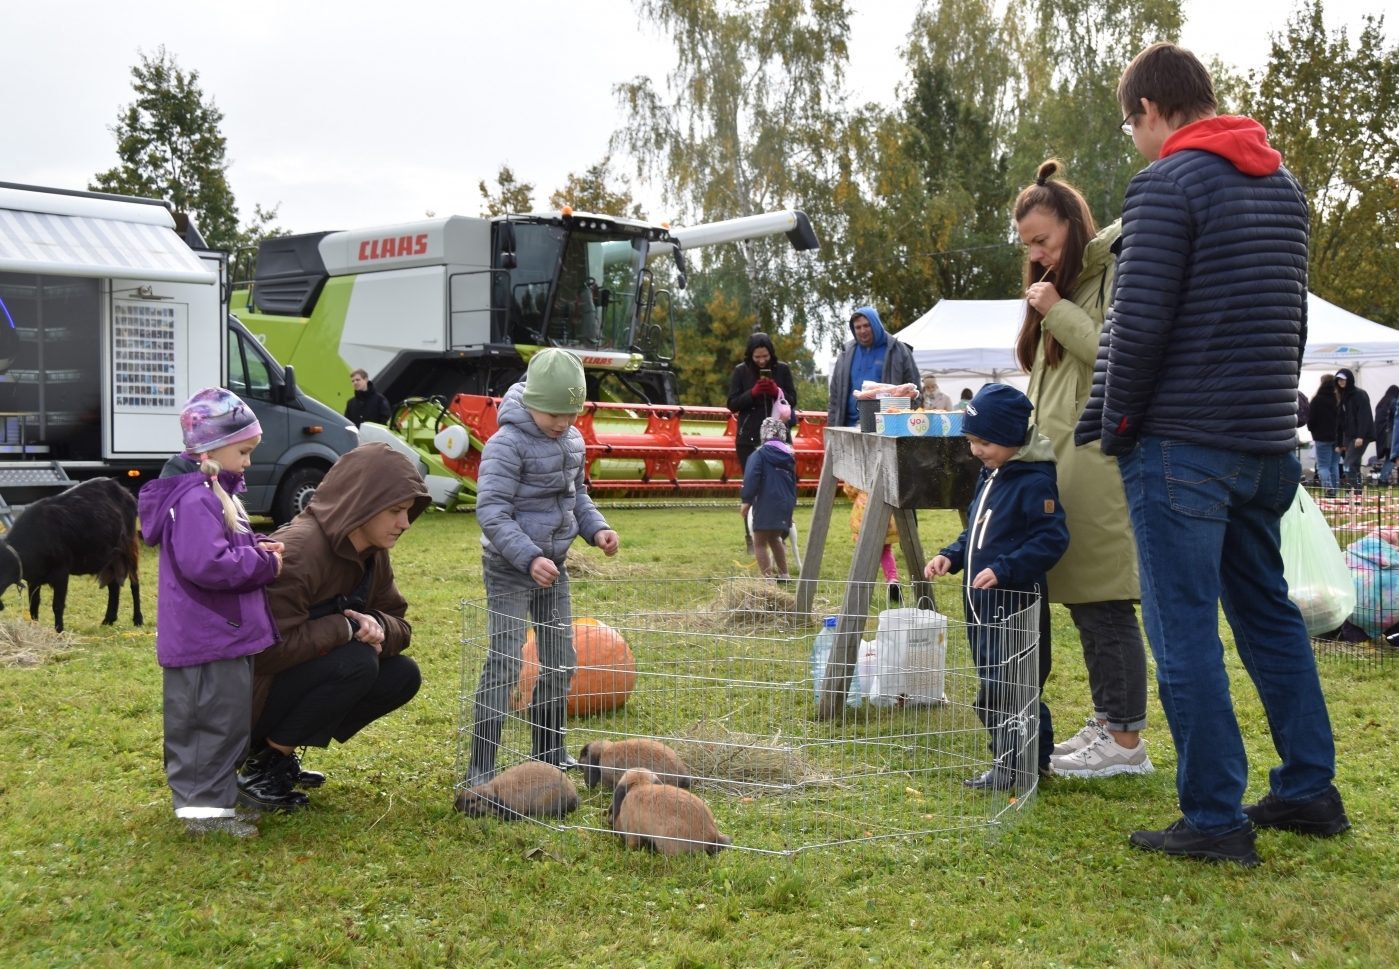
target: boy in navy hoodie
1017 534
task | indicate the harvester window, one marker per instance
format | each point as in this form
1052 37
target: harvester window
595 299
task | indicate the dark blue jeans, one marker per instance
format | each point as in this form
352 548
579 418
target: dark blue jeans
1206 522
1000 648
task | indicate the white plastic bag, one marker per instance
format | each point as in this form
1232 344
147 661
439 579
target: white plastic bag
910 658
1315 568
864 685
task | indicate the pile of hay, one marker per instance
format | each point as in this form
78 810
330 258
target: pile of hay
755 604
743 763
26 643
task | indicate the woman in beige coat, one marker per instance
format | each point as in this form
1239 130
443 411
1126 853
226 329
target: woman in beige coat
1068 277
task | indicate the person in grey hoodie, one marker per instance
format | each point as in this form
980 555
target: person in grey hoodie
531 502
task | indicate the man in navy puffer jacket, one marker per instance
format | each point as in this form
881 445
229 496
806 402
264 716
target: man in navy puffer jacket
1196 393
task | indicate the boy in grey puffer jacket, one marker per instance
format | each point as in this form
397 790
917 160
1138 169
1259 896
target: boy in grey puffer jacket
532 502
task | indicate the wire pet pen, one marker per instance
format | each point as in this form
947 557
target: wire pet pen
1365 522
723 673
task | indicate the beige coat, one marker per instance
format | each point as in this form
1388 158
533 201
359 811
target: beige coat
1101 563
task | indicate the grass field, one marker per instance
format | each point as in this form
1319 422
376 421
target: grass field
381 871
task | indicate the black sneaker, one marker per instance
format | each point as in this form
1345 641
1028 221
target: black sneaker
1180 838
1322 817
267 782
995 779
309 779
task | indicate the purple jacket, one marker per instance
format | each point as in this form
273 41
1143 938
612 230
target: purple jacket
211 603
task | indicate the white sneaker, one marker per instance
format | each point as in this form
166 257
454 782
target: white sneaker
1092 730
1104 757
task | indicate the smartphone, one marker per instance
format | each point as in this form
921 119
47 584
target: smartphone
765 374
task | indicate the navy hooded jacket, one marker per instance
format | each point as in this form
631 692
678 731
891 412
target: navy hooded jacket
1017 526
887 361
1204 339
770 486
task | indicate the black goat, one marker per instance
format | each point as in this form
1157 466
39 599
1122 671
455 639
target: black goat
89 529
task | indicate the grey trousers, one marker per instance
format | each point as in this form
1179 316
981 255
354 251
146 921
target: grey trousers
515 603
208 714
1115 656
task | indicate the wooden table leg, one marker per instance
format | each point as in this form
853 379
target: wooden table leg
855 607
816 538
913 556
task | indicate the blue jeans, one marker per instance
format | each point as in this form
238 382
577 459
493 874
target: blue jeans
1206 522
1002 696
1328 465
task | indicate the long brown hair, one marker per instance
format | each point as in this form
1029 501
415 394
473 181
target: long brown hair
1066 204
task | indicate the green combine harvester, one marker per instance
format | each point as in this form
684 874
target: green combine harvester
458 305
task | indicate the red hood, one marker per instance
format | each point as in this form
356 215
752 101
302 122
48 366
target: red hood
1243 141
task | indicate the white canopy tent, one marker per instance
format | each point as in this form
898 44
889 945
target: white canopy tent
968 343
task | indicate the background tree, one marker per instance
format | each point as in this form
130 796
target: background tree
170 147
1070 60
511 194
590 192
746 124
1332 109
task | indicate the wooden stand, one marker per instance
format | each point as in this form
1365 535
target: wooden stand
899 474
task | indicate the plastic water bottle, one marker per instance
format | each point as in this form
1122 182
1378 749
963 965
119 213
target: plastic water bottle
821 653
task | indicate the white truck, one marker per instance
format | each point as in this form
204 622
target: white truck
112 312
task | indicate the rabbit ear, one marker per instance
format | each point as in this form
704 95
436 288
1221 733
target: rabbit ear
618 796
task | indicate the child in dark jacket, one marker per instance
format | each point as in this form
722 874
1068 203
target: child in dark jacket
213 613
532 502
770 491
1017 534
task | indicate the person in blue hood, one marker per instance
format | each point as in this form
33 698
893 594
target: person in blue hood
1017 533
872 355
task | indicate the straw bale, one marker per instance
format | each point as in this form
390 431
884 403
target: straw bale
27 643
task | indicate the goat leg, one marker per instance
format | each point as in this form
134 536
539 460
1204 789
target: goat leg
34 588
133 555
60 600
113 600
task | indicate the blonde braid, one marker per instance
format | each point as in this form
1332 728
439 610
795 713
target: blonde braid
234 516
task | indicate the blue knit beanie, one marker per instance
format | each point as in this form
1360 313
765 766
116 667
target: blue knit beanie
998 413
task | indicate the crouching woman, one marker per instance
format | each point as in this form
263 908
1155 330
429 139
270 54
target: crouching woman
340 663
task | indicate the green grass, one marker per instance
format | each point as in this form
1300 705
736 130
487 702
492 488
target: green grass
381 872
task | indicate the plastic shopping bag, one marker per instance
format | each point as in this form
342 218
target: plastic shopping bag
1318 580
1374 566
781 409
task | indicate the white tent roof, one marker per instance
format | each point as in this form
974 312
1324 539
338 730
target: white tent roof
977 338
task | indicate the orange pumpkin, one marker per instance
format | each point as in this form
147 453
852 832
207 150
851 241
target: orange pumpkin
603 680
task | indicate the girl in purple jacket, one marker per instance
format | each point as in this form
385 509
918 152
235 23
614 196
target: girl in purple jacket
212 611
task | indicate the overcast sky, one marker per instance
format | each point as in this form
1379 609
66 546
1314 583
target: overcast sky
351 114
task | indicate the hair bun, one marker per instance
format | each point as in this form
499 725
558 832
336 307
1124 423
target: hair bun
1047 170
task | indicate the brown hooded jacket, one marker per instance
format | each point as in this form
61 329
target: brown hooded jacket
320 562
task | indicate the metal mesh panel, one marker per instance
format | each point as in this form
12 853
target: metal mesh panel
724 677
1365 522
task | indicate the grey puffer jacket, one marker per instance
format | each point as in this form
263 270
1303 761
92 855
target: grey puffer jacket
530 495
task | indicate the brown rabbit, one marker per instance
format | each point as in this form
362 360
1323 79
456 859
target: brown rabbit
605 762
666 819
529 790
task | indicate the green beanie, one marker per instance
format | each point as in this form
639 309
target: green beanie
554 383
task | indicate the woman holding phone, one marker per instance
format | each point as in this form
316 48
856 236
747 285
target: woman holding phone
1068 287
756 388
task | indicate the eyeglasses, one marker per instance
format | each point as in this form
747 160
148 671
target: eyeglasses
1127 124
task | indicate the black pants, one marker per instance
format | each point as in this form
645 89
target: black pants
335 696
998 701
1115 656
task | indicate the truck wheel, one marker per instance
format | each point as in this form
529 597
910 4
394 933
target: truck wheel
295 493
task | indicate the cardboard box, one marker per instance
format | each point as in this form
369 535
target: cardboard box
919 424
